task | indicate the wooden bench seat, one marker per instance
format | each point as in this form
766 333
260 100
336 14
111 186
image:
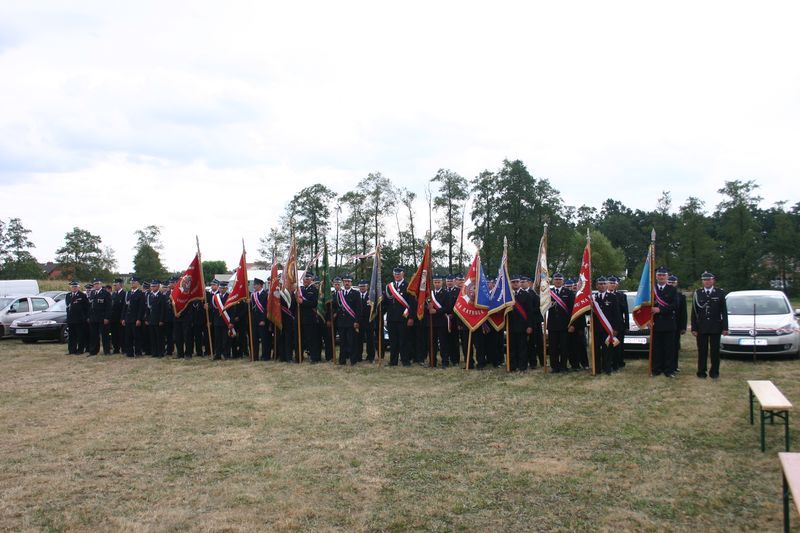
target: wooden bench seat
772 404
790 468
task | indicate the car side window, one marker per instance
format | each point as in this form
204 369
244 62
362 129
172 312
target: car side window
20 306
40 304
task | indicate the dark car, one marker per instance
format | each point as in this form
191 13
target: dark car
636 339
49 325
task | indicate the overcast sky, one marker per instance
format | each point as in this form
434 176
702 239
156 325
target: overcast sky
206 117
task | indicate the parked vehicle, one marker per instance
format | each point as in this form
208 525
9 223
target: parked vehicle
17 307
55 295
42 325
636 339
761 322
18 287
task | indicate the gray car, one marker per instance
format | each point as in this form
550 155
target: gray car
14 307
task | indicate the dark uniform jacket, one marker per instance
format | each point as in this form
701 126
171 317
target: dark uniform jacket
77 307
363 317
609 304
353 300
395 309
100 306
683 318
709 311
624 313
557 317
308 308
216 314
521 316
666 299
134 308
118 305
154 308
445 300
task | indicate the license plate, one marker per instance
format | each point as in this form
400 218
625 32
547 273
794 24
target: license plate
751 342
635 340
21 331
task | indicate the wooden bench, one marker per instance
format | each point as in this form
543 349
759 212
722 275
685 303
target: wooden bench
790 467
773 404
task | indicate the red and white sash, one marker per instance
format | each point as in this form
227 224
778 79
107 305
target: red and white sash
610 339
557 299
436 303
344 305
217 301
256 301
399 297
659 300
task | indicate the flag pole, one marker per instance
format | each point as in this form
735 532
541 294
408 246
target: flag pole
205 304
652 255
545 349
469 349
299 321
380 334
508 346
249 310
333 334
591 308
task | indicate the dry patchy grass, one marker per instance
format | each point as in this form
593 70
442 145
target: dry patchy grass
110 443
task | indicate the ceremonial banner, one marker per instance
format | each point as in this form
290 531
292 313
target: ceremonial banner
239 291
375 295
643 304
324 299
471 314
583 298
189 287
289 278
421 282
501 298
274 298
541 280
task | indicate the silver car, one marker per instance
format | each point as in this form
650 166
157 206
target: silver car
14 307
761 322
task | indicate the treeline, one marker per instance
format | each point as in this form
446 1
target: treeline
746 244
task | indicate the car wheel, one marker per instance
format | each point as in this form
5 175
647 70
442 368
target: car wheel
2 332
28 341
63 334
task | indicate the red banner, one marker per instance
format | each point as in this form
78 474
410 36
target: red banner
583 298
471 315
189 287
274 299
239 291
421 282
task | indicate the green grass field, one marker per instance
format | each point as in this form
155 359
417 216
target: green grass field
110 443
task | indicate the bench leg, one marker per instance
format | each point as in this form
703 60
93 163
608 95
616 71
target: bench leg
786 527
763 440
772 418
786 426
751 405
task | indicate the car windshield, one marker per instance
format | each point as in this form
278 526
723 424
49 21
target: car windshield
58 306
742 304
5 301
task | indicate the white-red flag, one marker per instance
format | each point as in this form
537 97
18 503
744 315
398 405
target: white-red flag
583 298
466 305
239 291
421 282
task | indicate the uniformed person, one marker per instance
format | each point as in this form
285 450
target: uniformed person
262 340
146 347
682 314
222 348
439 307
624 320
709 322
117 316
558 317
99 319
452 321
366 330
347 309
134 316
168 318
665 324
77 313
577 333
309 321
520 325
154 318
399 318
609 306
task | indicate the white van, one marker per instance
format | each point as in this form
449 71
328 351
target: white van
18 287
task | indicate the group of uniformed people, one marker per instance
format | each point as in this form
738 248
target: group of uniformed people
142 321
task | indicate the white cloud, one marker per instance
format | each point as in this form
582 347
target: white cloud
116 108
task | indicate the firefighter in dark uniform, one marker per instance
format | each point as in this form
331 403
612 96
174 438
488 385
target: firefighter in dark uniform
577 333
709 322
609 305
347 309
262 341
154 315
133 319
326 325
439 307
211 344
624 321
77 313
117 316
452 321
399 318
520 325
665 323
309 320
222 343
558 317
99 319
168 318
683 318
366 330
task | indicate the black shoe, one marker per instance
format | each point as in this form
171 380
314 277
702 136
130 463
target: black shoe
702 375
716 376
90 354
656 374
669 375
